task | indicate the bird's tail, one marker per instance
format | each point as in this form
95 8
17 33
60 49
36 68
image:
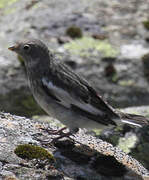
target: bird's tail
135 120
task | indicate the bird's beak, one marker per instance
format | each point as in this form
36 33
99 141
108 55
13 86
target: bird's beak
14 48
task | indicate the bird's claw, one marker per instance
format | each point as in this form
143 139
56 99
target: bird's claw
54 132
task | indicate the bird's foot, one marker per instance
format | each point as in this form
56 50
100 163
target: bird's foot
68 134
55 132
61 134
53 140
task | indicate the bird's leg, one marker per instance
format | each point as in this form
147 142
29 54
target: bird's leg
68 134
55 132
60 133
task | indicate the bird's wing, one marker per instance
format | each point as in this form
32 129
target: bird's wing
71 91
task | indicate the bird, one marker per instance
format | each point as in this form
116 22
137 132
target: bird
65 95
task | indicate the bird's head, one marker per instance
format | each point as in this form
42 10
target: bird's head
31 50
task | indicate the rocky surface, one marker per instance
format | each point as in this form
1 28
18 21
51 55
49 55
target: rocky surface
26 152
108 54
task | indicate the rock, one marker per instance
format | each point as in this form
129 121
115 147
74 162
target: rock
100 36
78 159
63 39
124 43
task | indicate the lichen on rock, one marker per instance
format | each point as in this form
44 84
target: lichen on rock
27 151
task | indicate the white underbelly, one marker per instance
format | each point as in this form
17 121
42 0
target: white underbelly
65 115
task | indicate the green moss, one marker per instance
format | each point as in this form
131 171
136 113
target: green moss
28 151
4 3
97 131
6 6
126 82
83 46
126 144
146 24
74 32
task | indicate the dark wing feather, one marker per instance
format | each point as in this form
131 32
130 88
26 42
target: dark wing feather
72 91
105 120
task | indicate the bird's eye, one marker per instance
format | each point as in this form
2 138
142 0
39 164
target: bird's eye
26 47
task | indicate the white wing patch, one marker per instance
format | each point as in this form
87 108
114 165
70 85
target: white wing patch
66 99
131 123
